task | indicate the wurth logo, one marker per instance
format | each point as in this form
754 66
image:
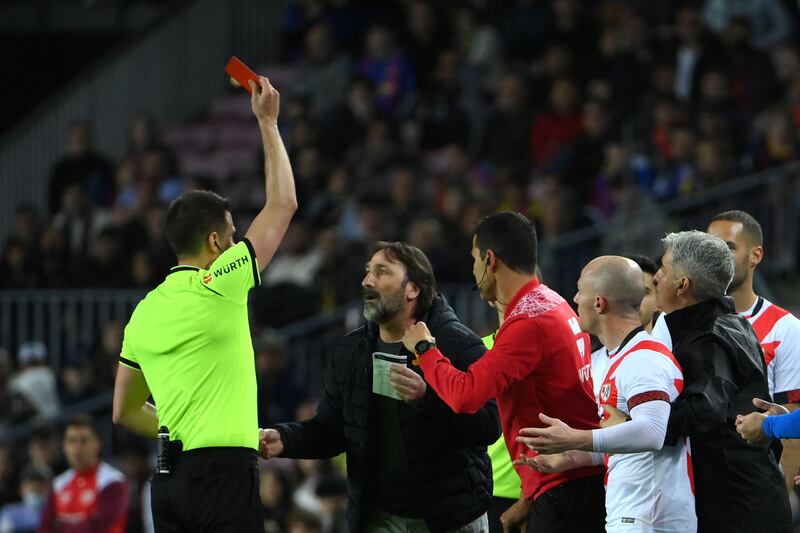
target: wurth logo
233 265
207 279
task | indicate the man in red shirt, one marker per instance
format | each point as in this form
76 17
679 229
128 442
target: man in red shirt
540 362
90 497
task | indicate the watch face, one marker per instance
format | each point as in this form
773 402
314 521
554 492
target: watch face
421 347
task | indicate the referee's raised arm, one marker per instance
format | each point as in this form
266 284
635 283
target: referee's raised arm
269 226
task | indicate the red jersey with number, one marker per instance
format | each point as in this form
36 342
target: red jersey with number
778 331
540 363
92 501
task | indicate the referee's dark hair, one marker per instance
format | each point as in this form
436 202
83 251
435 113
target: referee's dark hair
750 226
512 238
647 265
418 271
192 217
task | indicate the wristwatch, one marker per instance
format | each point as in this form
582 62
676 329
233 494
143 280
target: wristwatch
423 346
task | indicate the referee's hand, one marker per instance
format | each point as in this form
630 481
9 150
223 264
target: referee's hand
270 443
265 100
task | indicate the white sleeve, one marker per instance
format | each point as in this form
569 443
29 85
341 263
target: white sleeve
786 366
643 433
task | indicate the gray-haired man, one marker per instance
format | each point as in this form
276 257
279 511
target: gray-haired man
737 487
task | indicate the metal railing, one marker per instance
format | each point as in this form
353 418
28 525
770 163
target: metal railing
69 320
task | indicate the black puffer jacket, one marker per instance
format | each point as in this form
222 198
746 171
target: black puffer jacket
446 452
738 488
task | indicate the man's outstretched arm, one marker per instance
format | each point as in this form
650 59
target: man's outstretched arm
269 226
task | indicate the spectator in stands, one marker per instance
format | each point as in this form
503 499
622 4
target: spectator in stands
737 487
23 517
345 124
697 52
107 263
388 68
77 224
505 136
279 389
44 450
324 75
425 35
438 478
9 473
35 382
776 140
276 499
754 84
26 229
91 495
439 112
106 352
769 18
20 269
77 381
144 136
92 172
557 127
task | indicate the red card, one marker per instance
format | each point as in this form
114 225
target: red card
241 73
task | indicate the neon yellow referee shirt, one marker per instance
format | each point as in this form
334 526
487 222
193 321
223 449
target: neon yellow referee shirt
507 483
190 336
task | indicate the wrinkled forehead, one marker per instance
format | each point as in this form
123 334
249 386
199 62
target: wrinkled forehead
382 258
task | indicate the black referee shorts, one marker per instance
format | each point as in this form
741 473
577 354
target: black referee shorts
210 489
575 506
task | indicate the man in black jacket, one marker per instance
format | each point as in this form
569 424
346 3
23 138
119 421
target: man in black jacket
738 488
412 463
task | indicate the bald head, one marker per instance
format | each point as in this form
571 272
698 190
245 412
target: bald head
617 279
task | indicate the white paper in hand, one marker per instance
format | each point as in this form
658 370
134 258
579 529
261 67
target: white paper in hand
381 362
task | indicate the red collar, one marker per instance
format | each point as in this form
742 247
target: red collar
525 289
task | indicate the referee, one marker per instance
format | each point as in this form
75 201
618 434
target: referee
188 344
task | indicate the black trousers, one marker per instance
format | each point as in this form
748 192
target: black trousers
578 505
496 510
210 489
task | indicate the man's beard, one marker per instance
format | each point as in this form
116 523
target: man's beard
737 281
385 308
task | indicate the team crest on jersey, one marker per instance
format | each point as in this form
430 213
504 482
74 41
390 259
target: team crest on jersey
605 391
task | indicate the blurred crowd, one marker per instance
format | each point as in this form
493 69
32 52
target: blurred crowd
408 121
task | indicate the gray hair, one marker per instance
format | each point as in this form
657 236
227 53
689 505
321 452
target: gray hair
705 259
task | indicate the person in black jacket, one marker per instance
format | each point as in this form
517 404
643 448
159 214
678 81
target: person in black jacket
738 488
411 464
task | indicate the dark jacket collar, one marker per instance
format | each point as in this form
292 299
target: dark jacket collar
698 317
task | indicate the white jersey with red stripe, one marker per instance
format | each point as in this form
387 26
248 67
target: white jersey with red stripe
647 491
778 331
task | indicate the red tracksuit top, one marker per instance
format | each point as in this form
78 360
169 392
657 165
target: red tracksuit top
540 363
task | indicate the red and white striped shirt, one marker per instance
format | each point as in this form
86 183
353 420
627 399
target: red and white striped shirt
649 490
778 331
